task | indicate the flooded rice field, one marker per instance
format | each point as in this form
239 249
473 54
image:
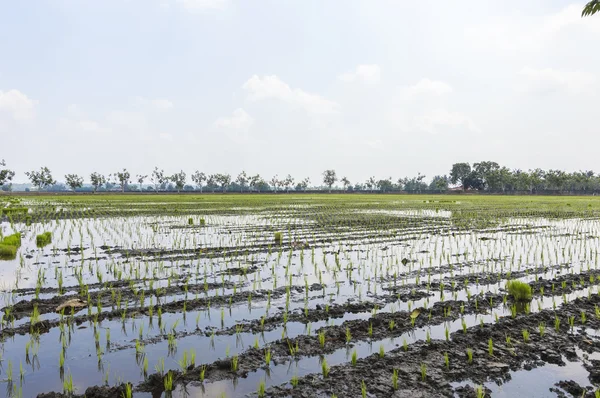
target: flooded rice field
299 296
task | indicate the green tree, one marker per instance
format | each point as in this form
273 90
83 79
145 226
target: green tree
6 175
242 180
198 178
591 8
123 178
73 181
41 179
329 178
179 180
158 178
140 179
460 173
97 180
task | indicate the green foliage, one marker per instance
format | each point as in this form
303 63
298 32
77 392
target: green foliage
12 240
591 8
7 252
10 211
43 239
278 236
520 291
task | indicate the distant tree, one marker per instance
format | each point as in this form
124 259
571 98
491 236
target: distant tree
288 182
179 180
302 185
41 179
371 183
158 178
415 184
329 178
198 178
254 181
74 181
140 179
97 180
439 183
346 182
591 8
122 178
223 180
6 175
211 181
262 185
274 182
460 173
242 180
385 185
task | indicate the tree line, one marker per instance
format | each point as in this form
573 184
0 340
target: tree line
485 176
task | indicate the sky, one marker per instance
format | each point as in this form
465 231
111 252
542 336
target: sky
365 87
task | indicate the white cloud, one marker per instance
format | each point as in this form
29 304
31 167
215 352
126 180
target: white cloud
158 103
552 80
432 121
365 73
17 105
203 4
91 126
239 120
271 87
375 144
530 33
425 87
134 121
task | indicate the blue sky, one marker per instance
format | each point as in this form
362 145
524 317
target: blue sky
383 88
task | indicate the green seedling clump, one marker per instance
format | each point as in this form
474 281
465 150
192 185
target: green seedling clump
9 246
7 252
520 291
44 239
12 240
278 237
